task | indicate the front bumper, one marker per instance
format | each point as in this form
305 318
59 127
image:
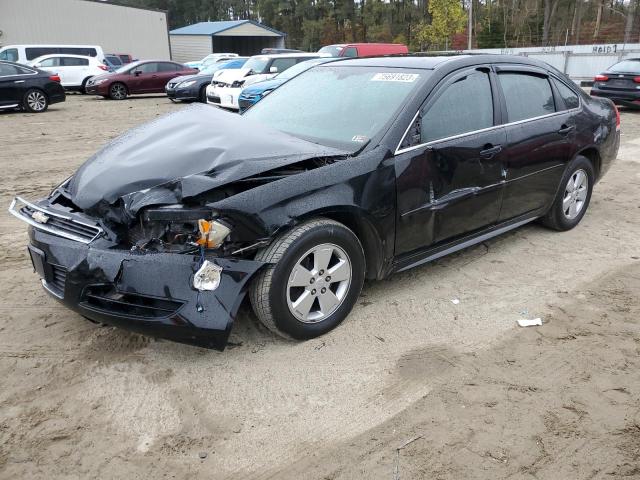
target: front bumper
150 293
100 89
225 97
182 93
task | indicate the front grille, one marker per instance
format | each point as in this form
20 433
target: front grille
106 299
58 279
54 222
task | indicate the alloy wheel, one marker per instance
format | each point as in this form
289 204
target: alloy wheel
36 101
318 283
118 91
575 194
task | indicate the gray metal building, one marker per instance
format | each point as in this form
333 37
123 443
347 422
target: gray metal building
141 32
244 37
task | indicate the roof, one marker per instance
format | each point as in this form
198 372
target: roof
214 28
432 62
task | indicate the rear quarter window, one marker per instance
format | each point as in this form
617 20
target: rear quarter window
567 94
526 95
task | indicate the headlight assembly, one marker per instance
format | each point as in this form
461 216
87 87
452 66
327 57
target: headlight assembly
176 228
99 81
188 83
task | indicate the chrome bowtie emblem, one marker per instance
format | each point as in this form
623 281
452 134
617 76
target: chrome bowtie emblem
39 217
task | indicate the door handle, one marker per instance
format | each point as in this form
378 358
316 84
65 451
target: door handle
490 151
566 129
19 81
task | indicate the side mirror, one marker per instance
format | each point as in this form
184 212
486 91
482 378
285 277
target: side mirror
37 65
273 70
137 73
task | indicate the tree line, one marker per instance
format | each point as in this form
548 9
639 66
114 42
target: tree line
424 25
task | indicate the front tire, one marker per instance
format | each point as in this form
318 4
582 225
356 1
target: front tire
313 278
572 199
83 87
118 91
35 101
202 97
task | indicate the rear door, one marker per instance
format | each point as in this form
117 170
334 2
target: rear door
76 69
449 165
538 146
166 71
12 84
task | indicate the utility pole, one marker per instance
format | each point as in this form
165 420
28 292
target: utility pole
470 26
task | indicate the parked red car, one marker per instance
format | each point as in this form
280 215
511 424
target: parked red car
149 76
364 49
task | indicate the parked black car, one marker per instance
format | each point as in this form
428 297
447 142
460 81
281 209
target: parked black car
193 87
620 83
354 169
28 88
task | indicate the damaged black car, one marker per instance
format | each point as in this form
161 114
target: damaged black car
354 170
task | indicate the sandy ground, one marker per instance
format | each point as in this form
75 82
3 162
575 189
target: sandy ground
480 397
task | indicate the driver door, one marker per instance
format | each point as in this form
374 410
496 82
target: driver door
449 166
143 78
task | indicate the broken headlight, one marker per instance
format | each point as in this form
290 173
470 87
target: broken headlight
176 227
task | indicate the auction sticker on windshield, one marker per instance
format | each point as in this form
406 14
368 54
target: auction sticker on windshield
395 77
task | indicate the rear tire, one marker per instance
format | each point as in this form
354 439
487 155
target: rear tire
118 91
35 101
574 194
295 295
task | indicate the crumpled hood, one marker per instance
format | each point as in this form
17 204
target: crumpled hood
185 153
230 76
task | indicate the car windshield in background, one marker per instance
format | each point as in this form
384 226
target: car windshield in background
626 66
257 64
333 50
342 107
299 68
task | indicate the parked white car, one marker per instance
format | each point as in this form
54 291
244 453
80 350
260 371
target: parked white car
226 87
27 53
211 58
74 70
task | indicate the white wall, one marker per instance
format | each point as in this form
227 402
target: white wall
142 33
189 48
579 62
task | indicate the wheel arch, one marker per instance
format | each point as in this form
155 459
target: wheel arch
359 223
593 155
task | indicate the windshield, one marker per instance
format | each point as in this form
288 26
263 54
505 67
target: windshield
333 50
341 107
299 68
626 66
257 64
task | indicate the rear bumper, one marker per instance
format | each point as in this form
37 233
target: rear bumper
628 98
147 293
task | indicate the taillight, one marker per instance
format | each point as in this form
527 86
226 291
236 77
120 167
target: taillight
601 78
103 67
636 79
55 78
617 118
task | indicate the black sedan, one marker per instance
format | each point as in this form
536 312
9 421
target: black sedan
620 83
355 169
28 88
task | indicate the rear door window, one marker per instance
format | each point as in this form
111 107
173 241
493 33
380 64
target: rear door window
167 67
569 96
7 70
465 106
350 52
283 63
74 62
526 95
